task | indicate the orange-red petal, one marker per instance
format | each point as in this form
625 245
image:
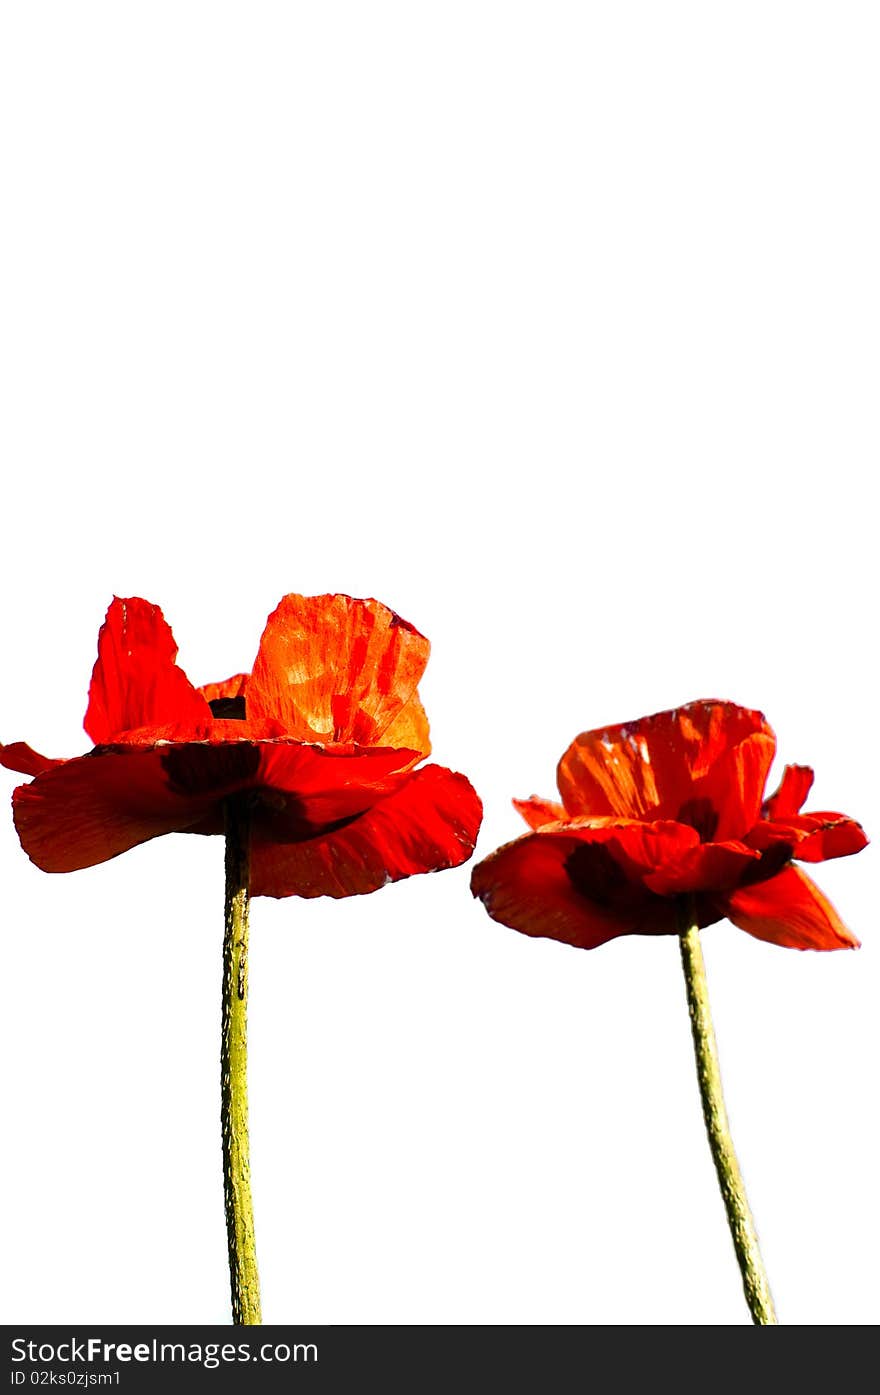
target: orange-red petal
23 758
811 837
430 823
790 910
323 785
334 668
584 884
704 764
410 728
215 731
712 867
640 848
525 885
135 681
795 785
87 810
226 689
537 811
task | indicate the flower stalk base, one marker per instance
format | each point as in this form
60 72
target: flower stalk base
243 1276
739 1216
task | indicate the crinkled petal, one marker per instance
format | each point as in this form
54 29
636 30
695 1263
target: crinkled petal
227 690
706 867
23 758
638 847
537 811
811 837
704 764
135 681
795 785
410 728
309 788
430 823
791 911
214 731
334 668
726 802
557 885
87 810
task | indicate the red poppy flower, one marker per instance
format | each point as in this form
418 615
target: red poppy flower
324 735
669 807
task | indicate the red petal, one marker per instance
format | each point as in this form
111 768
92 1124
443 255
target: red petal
707 867
21 757
410 728
812 837
582 885
790 910
793 789
214 731
233 687
330 667
537 811
87 810
324 785
135 681
639 847
703 764
430 823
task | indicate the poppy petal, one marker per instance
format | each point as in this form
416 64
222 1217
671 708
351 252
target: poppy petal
430 823
828 835
87 810
553 885
330 667
210 730
795 785
227 690
135 681
410 728
732 790
537 811
705 764
639 847
791 911
583 883
706 867
23 758
320 786
812 837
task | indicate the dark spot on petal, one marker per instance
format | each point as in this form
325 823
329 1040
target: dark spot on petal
702 815
194 769
771 861
231 708
595 874
279 817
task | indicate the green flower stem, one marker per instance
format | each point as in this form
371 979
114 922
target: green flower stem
243 1275
739 1216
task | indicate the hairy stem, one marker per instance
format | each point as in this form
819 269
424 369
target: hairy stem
739 1216
243 1275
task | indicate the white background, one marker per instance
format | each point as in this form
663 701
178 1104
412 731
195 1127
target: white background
555 327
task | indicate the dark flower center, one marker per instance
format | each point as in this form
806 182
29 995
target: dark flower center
595 874
231 708
194 769
701 815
